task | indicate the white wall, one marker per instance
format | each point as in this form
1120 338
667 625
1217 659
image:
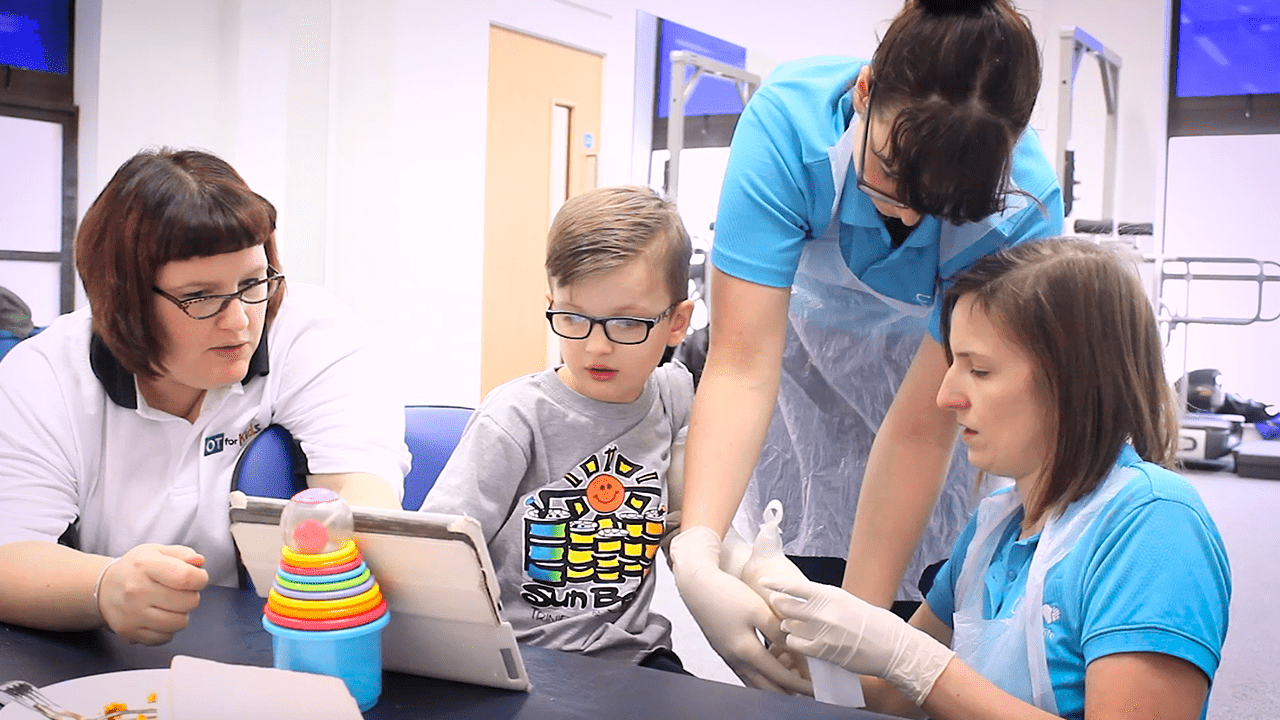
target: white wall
1222 203
1136 31
364 122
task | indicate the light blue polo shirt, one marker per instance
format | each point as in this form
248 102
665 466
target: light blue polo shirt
778 192
1151 575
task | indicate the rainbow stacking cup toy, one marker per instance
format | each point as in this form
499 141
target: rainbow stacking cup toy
325 611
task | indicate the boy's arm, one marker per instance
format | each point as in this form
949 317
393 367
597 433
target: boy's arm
675 487
482 476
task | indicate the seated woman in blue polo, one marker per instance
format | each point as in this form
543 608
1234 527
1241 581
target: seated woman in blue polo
1098 585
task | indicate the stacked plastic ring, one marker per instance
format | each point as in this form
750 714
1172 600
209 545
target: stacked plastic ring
327 591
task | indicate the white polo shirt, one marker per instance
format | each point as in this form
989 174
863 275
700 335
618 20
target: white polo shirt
77 440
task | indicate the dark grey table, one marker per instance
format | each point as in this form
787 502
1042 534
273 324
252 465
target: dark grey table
226 627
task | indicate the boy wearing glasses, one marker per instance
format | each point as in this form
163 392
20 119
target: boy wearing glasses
571 472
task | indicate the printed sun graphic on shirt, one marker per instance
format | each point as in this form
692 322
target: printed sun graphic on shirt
589 541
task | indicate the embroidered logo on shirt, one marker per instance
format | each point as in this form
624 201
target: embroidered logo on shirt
215 444
1050 613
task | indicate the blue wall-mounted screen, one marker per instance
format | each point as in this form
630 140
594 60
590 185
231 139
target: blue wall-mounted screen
711 96
1228 47
36 34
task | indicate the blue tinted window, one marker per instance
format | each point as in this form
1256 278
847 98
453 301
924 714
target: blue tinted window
34 34
1228 47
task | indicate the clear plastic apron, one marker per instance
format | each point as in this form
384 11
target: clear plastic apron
847 350
1010 651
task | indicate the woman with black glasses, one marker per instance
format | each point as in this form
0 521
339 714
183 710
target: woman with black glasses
854 191
121 423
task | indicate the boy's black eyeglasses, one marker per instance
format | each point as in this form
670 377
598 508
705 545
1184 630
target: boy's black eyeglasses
871 192
622 330
206 306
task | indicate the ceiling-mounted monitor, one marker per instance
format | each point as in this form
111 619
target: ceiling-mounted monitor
711 111
1224 67
36 35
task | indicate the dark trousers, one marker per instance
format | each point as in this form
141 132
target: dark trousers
665 660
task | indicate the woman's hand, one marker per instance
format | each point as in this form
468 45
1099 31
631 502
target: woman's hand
730 613
145 595
826 622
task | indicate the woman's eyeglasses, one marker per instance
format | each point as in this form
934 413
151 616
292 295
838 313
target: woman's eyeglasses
865 187
622 330
206 306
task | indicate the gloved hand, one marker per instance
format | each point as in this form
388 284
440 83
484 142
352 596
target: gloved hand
734 552
767 559
828 623
145 595
730 613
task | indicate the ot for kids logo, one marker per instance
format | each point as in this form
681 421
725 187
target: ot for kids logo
215 444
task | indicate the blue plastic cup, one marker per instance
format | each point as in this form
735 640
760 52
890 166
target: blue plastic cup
352 654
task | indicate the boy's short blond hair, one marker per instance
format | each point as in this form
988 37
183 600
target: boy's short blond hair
604 228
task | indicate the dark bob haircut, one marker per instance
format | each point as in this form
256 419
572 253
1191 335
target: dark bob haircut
162 205
1080 311
962 78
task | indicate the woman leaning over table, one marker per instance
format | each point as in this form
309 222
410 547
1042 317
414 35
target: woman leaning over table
854 192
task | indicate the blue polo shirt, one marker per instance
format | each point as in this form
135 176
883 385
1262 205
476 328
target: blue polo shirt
778 193
1151 575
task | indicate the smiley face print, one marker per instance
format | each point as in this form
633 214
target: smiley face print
605 493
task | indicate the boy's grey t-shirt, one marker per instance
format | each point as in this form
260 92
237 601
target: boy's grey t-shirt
572 496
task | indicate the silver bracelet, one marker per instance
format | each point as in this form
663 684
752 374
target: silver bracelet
97 585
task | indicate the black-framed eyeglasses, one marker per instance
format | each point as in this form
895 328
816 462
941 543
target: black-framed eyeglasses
622 330
206 306
865 187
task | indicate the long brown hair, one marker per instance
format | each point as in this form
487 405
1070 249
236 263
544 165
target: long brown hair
1080 311
162 205
961 78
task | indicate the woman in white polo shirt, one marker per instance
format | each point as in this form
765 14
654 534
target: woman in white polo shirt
121 424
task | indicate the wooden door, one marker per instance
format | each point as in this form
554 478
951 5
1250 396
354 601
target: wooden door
543 138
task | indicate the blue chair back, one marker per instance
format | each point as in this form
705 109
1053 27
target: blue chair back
8 339
431 432
272 464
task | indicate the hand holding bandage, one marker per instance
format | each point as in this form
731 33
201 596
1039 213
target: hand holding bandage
730 613
828 623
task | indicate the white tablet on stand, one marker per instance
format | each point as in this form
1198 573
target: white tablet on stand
436 576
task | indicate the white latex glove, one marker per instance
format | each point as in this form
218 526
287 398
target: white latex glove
146 594
730 613
826 622
767 559
734 552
